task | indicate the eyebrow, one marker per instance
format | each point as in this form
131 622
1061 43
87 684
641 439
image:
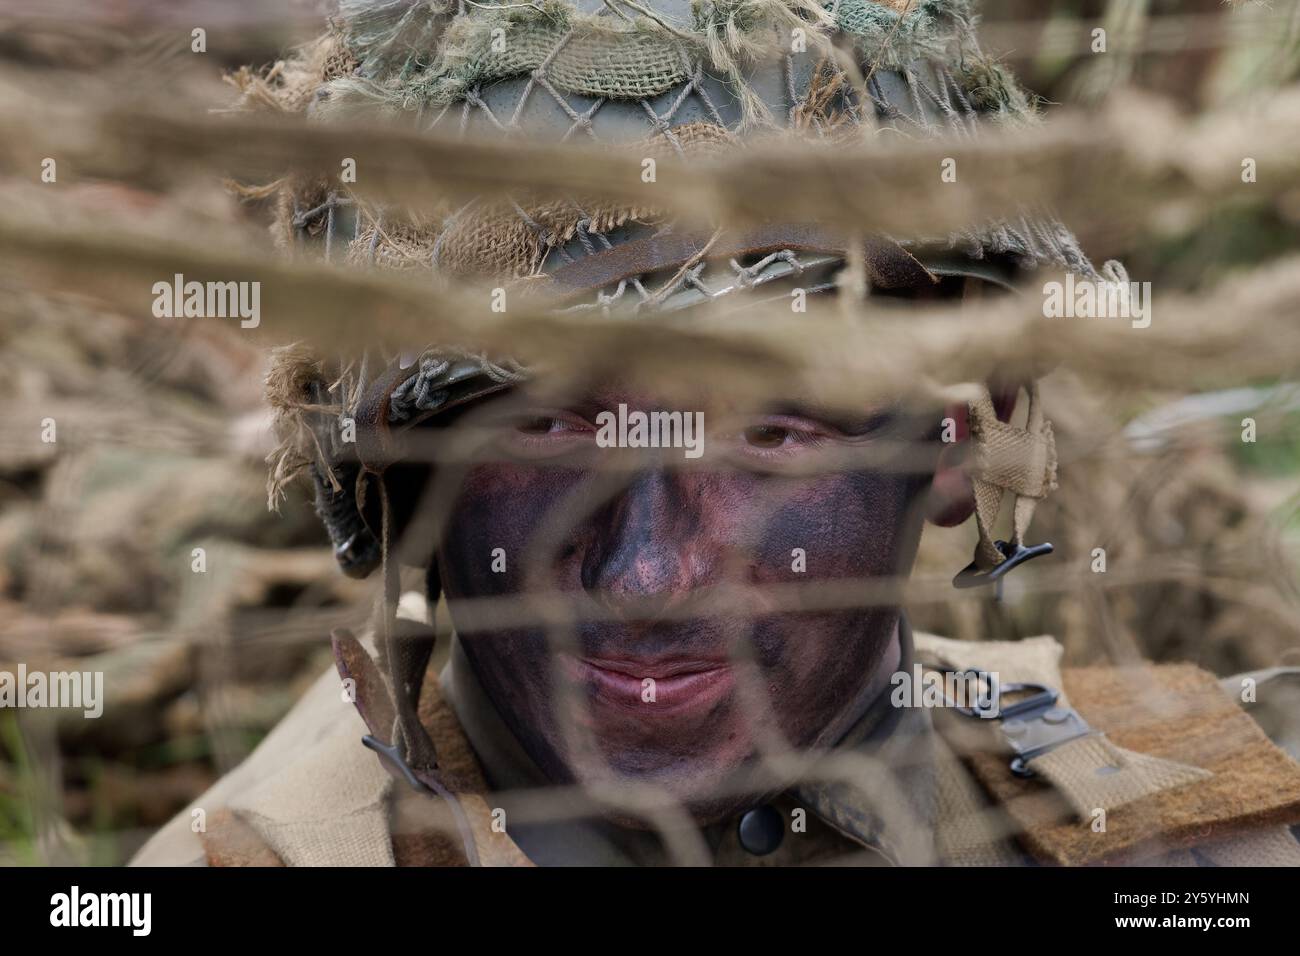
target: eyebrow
846 422
843 421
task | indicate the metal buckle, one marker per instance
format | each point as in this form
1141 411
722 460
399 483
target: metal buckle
979 675
1044 696
1034 726
394 759
396 762
972 577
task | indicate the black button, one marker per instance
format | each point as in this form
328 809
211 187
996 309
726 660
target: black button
761 830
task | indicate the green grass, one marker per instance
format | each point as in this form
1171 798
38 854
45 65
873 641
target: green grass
1275 453
17 822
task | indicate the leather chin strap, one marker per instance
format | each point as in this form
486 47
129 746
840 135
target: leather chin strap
406 647
375 700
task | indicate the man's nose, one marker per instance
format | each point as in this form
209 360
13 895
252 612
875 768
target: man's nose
650 549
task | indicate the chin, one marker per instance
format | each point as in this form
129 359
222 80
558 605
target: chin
711 786
704 810
702 814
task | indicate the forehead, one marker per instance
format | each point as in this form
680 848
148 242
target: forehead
689 394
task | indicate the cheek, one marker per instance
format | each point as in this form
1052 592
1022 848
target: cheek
852 526
493 525
503 507
846 526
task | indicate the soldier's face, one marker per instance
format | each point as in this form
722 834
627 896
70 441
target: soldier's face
661 627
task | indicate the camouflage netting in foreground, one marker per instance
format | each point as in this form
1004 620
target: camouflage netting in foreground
163 451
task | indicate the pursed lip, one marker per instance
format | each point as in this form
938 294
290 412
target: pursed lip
680 685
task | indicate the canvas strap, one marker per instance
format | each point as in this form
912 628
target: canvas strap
1092 772
1008 458
1089 771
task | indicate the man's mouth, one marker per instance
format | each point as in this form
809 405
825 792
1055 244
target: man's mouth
659 687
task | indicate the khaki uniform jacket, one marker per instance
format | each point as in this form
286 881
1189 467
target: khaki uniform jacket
1180 775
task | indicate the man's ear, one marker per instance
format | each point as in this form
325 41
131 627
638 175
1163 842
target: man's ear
952 496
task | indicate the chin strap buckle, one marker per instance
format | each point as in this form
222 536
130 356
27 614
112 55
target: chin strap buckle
1013 555
396 762
1039 725
1034 726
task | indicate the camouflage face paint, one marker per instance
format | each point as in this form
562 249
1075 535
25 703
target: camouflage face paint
670 690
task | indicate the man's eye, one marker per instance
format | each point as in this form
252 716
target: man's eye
545 425
766 436
537 426
776 438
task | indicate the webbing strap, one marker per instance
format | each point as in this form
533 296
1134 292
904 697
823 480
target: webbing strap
1088 772
1092 773
1275 846
1007 458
